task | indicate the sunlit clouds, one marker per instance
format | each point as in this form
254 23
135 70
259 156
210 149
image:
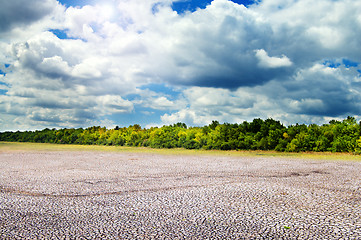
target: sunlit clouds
124 62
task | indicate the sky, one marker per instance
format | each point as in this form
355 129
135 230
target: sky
81 63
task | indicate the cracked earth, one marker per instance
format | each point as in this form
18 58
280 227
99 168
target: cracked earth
97 195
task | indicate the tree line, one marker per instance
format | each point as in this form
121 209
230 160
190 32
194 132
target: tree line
336 136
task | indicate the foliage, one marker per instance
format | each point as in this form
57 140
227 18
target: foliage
337 136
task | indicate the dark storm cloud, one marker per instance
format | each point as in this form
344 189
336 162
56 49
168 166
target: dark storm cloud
14 13
242 76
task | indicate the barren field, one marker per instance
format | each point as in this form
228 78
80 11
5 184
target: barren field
114 195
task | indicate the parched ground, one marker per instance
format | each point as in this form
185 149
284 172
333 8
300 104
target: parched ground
100 195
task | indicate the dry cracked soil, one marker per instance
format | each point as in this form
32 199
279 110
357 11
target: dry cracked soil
104 195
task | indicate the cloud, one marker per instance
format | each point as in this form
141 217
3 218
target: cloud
225 62
20 13
113 104
324 91
214 47
207 104
87 69
312 95
266 61
54 67
163 102
45 116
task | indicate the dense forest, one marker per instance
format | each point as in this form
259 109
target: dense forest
336 136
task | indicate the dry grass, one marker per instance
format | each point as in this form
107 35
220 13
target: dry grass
44 147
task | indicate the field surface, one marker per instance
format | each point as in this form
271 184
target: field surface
67 193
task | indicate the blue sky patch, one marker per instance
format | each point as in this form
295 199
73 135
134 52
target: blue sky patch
3 91
348 63
140 115
160 88
61 34
76 3
331 63
192 5
184 6
1 71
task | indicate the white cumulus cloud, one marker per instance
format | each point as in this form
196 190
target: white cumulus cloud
266 61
